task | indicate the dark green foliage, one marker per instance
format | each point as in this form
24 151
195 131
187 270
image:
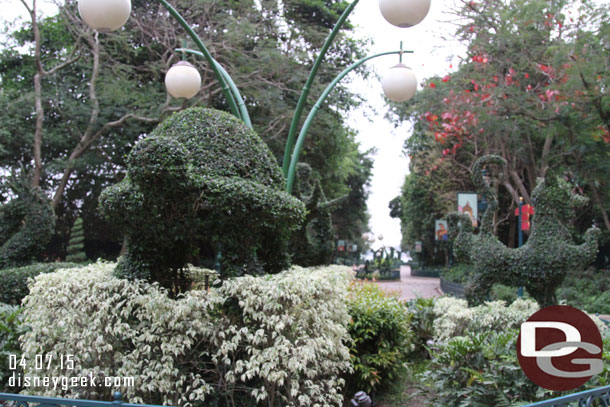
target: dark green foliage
313 243
76 245
588 290
15 280
11 327
542 263
381 335
422 325
27 224
480 369
201 179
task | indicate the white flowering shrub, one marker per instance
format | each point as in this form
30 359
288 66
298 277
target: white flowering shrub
452 317
274 340
455 318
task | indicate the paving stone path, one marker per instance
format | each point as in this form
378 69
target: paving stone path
412 287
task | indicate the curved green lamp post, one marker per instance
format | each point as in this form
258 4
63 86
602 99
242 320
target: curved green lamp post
112 14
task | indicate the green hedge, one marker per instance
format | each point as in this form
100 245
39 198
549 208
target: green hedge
381 334
11 328
15 280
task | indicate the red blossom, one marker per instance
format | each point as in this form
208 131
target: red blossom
432 85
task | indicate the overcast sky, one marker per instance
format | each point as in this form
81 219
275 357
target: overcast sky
432 55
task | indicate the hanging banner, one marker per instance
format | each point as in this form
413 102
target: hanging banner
441 230
341 245
467 204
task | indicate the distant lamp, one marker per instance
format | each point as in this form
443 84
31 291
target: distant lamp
104 15
399 83
404 13
182 80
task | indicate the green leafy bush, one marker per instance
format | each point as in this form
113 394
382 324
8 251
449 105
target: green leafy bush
588 290
277 340
381 337
458 273
479 369
422 324
202 181
11 326
15 280
27 224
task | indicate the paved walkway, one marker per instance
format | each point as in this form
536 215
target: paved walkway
412 287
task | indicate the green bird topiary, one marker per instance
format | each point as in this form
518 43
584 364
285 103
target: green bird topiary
76 245
201 179
541 264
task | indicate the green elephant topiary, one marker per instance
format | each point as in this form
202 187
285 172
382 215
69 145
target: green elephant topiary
27 224
541 264
202 180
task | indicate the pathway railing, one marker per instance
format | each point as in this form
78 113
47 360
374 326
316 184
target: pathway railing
24 401
587 398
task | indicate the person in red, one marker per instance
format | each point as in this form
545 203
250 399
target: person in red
526 211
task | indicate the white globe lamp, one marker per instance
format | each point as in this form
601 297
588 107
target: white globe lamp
399 83
182 80
404 13
104 15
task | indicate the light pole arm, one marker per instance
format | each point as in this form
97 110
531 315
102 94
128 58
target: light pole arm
303 134
303 98
243 111
206 54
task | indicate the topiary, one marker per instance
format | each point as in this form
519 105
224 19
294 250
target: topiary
542 263
202 179
76 245
27 224
313 243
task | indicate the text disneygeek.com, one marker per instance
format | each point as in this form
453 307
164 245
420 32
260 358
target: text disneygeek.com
41 363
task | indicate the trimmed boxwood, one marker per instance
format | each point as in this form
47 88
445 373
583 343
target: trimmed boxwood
15 280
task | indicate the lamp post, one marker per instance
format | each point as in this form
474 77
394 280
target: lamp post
519 225
399 83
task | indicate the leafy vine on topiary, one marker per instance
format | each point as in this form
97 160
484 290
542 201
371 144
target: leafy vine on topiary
542 263
27 224
201 181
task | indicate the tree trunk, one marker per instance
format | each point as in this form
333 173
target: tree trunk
600 204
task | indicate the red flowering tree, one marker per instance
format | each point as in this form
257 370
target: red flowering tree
533 88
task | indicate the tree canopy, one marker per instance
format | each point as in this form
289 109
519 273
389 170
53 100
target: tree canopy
99 94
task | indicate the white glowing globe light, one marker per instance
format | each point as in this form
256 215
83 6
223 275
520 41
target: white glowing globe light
404 13
399 83
182 80
104 15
